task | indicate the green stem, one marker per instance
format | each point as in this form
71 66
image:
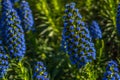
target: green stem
99 48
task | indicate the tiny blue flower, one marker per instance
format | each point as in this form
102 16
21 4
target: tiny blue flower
71 27
71 20
66 11
78 28
76 43
70 14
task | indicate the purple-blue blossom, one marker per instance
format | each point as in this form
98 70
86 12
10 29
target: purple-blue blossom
3 60
95 30
76 38
26 16
40 72
12 32
112 71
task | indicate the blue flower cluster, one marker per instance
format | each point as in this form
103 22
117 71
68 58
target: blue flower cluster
40 72
12 30
118 19
76 39
112 72
25 14
3 60
95 30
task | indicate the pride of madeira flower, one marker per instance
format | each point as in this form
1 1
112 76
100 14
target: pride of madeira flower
40 72
13 33
95 30
25 14
76 39
112 71
3 60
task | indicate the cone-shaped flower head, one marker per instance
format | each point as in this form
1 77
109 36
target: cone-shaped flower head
26 17
76 39
40 72
118 19
112 71
13 33
95 30
3 60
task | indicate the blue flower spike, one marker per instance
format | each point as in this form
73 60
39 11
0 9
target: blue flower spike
13 34
76 39
3 61
26 16
112 71
95 30
40 72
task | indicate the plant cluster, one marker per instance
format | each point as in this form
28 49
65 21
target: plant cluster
65 40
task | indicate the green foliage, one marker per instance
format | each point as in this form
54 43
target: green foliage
108 14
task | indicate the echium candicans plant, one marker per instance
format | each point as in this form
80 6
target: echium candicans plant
40 72
112 71
118 19
76 39
13 34
26 16
95 30
3 60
